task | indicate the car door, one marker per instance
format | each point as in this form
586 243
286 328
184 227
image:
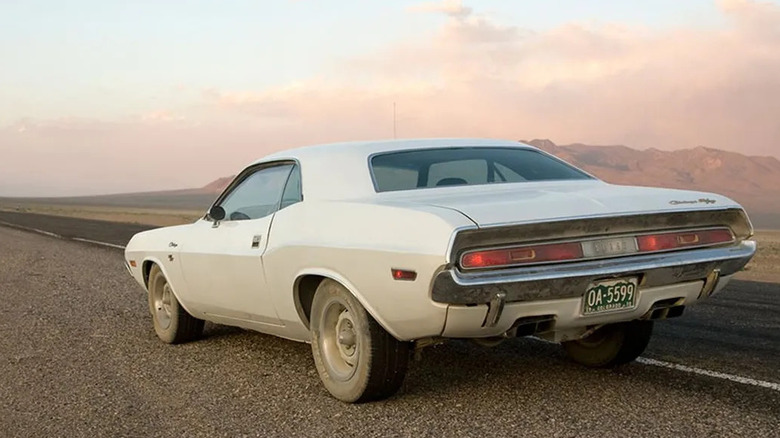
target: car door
222 260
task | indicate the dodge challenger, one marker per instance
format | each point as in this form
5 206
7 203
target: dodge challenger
372 250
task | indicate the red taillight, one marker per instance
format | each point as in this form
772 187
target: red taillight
559 252
522 255
667 241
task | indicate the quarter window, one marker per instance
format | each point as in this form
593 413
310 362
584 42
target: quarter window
292 191
258 195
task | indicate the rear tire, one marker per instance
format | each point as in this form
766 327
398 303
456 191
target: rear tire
357 360
611 345
172 323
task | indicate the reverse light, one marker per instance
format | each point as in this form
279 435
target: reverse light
555 252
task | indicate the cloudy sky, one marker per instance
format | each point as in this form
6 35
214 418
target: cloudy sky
104 96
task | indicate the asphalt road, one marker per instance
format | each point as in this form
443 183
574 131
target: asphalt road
78 357
70 227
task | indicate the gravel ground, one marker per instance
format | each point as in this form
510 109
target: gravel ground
78 357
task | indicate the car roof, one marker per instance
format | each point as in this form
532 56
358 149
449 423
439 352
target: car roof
341 171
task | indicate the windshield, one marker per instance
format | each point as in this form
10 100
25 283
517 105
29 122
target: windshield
425 168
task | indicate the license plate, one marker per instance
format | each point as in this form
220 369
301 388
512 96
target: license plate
609 296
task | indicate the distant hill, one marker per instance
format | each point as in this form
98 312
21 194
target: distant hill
198 199
217 186
754 182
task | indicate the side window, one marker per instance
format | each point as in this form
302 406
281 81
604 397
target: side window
292 191
458 172
258 195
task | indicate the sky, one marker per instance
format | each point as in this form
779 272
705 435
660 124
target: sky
108 96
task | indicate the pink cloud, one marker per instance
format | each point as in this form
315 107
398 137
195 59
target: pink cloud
452 8
668 88
476 76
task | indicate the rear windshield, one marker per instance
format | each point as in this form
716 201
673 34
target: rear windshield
424 168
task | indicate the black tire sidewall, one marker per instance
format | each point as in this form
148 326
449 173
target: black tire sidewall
621 343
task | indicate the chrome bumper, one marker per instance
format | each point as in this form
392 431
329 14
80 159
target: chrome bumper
572 279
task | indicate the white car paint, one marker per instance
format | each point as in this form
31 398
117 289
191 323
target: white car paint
347 231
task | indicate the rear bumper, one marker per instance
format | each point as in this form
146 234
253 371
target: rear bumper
562 319
553 282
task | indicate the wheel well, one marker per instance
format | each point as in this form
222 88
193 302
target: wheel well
305 287
146 268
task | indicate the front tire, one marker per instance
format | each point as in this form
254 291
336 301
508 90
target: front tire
357 360
611 345
172 323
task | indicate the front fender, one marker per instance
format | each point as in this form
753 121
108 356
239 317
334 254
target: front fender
169 276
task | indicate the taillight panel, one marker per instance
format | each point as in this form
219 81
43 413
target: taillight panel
543 253
521 255
684 239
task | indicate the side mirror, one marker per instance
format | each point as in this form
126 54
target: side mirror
217 213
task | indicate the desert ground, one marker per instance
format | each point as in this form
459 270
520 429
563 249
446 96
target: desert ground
765 266
155 216
80 358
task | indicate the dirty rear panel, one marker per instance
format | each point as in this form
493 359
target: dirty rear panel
478 238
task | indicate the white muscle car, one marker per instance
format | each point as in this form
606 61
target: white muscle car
369 250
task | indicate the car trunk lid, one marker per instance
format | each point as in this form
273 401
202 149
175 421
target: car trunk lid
491 205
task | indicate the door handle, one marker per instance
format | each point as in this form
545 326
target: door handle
256 241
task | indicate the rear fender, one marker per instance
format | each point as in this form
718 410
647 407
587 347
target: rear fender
335 276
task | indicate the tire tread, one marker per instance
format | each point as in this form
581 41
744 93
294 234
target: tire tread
188 328
627 340
389 363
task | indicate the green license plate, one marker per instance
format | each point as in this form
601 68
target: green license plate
609 296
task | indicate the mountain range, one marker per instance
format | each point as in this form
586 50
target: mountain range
752 181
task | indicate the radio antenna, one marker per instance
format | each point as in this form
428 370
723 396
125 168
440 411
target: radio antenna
394 121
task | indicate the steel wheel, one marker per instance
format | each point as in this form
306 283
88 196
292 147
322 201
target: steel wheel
357 360
171 322
161 302
338 341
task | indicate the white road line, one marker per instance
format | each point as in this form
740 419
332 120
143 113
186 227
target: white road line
700 371
34 230
95 242
739 379
50 234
